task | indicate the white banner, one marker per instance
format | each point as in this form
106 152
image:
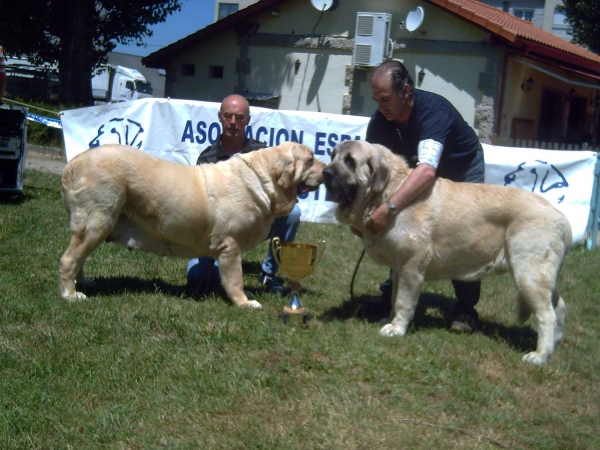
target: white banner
564 178
179 130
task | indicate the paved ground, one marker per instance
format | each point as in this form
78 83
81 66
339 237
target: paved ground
44 162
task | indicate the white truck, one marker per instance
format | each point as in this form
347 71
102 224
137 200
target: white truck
119 84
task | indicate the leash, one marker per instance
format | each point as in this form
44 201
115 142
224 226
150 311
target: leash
31 106
352 299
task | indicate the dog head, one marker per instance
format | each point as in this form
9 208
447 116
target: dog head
357 170
295 171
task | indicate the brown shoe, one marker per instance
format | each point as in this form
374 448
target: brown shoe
462 324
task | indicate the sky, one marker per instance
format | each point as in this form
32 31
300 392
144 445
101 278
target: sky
194 15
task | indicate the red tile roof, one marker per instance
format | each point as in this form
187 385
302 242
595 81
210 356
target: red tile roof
510 27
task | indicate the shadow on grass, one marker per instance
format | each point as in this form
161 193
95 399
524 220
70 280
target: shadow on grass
15 198
433 311
120 285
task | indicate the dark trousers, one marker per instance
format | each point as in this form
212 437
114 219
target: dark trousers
467 295
467 292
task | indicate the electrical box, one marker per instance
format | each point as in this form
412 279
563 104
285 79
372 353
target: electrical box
13 138
372 43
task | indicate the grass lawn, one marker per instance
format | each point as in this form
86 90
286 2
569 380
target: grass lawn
140 365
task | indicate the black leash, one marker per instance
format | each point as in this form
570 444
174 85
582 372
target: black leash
352 300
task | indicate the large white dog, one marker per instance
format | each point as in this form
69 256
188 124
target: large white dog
120 194
455 231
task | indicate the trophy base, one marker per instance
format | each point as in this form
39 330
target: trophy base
294 317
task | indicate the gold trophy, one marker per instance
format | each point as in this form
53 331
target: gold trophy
296 261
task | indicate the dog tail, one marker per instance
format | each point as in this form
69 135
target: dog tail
67 184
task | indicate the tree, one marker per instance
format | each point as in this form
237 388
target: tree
76 35
583 18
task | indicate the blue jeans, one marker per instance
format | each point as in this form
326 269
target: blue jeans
285 227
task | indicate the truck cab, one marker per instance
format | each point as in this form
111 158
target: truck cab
120 84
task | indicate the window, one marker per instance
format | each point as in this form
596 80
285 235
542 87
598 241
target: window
188 70
559 19
505 6
215 72
226 9
525 14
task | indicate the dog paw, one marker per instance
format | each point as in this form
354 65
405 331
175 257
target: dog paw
78 296
535 358
392 330
253 304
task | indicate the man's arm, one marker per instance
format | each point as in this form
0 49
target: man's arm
419 180
208 156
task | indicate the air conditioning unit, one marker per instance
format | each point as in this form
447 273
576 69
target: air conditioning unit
372 42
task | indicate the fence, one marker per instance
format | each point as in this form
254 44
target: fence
527 143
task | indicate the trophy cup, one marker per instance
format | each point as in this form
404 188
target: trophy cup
296 261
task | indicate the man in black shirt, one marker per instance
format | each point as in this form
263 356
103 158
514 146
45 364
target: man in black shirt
431 134
234 115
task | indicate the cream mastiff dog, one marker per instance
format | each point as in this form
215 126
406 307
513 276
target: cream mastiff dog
454 231
117 193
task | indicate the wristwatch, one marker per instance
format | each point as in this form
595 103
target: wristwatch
392 208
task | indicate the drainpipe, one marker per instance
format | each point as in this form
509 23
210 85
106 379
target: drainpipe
501 99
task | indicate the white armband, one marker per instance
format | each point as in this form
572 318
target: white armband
430 152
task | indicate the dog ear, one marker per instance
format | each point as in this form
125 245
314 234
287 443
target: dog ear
283 171
285 199
380 174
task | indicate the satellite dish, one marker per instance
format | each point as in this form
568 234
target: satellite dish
414 18
323 5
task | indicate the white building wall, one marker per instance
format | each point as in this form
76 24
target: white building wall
321 82
217 51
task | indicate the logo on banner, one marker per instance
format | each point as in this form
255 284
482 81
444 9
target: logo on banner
119 131
540 175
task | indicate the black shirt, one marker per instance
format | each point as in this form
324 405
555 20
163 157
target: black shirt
215 152
432 117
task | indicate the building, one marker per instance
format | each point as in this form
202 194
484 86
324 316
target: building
224 9
542 13
508 78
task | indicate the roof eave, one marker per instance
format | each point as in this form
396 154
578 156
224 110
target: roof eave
159 59
474 18
534 48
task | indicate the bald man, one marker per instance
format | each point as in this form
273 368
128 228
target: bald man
203 273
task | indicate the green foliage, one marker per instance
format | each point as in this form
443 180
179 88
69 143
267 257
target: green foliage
77 35
583 17
141 365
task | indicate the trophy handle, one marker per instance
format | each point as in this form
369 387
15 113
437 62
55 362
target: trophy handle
275 247
320 251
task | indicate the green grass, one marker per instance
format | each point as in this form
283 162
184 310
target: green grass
140 365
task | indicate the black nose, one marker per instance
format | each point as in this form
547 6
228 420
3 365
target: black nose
328 174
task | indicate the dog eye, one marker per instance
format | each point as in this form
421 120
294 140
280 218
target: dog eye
311 162
349 161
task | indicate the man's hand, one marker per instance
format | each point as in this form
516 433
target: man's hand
416 182
356 231
380 220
